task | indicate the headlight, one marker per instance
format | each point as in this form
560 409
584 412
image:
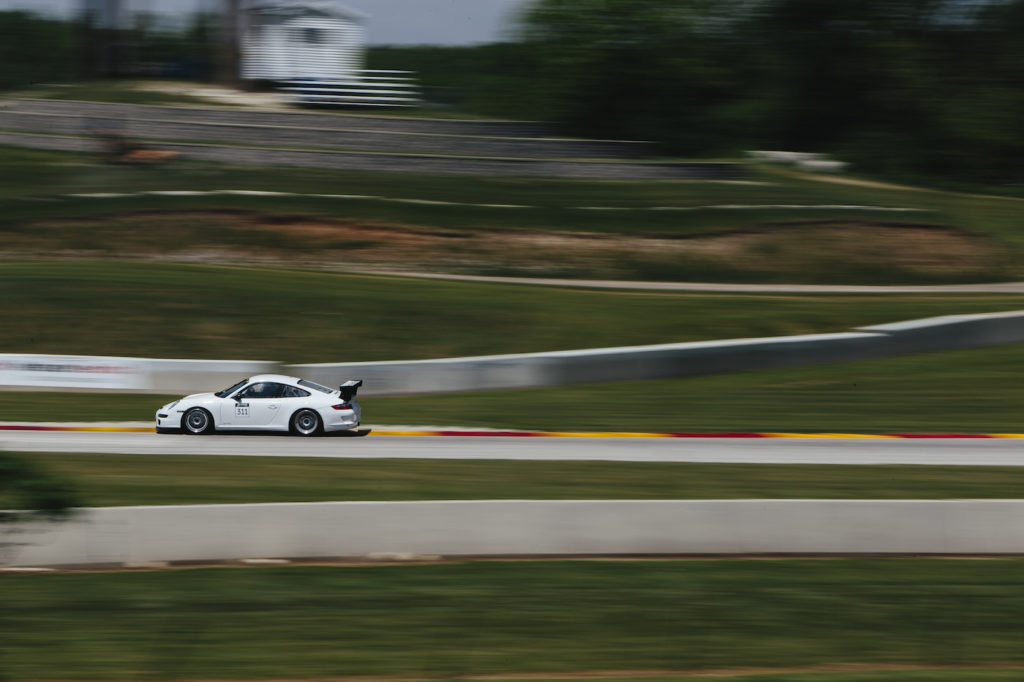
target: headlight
170 405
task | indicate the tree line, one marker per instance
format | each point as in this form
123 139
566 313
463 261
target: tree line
902 87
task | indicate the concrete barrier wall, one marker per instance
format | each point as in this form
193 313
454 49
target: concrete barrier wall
135 375
665 361
119 535
201 376
369 140
951 332
409 163
563 368
286 118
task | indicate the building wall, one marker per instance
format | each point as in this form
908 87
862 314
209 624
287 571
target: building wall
276 49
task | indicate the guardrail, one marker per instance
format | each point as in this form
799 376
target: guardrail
526 370
140 535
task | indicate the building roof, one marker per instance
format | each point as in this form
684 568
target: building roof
329 7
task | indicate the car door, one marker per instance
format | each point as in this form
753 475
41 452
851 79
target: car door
257 406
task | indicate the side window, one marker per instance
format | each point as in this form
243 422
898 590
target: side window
265 389
293 392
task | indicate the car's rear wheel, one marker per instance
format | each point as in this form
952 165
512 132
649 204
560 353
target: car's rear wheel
197 421
306 423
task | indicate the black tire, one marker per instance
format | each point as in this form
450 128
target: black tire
197 421
307 423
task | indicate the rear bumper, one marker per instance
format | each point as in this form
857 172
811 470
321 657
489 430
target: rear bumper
343 424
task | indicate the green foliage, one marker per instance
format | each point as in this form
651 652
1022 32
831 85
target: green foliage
640 69
34 49
896 86
27 490
486 80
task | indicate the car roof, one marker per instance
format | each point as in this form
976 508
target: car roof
279 378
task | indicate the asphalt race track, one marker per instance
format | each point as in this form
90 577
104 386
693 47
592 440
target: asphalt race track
952 451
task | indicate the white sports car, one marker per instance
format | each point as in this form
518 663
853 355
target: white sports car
266 402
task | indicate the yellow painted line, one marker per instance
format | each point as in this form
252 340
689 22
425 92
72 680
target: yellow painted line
602 434
826 435
1006 435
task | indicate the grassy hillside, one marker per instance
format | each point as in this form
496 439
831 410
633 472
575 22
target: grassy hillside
191 311
776 227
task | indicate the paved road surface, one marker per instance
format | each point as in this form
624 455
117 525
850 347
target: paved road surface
982 452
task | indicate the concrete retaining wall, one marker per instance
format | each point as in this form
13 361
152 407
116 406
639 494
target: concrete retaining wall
291 119
353 139
391 144
665 361
119 535
597 365
135 375
200 376
410 163
950 332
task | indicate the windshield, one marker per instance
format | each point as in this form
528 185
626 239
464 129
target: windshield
226 391
318 387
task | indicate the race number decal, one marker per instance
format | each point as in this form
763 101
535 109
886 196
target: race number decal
242 410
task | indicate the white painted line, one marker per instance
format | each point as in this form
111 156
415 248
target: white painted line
424 201
178 193
258 193
434 202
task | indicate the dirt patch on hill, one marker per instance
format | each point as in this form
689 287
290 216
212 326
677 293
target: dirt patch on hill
806 251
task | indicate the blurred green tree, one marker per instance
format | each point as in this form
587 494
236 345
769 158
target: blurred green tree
35 49
28 492
643 69
898 86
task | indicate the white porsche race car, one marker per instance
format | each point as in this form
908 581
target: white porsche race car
266 402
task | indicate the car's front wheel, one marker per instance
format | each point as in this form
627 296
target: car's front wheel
306 423
197 421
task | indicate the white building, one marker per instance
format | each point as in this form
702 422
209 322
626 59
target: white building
284 40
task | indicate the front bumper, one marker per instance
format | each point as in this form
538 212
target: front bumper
168 417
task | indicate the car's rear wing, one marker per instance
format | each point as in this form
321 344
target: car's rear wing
349 389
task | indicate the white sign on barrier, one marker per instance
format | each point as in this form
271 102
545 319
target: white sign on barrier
71 371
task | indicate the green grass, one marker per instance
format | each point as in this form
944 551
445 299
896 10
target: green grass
182 311
42 174
459 619
1002 673
110 480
